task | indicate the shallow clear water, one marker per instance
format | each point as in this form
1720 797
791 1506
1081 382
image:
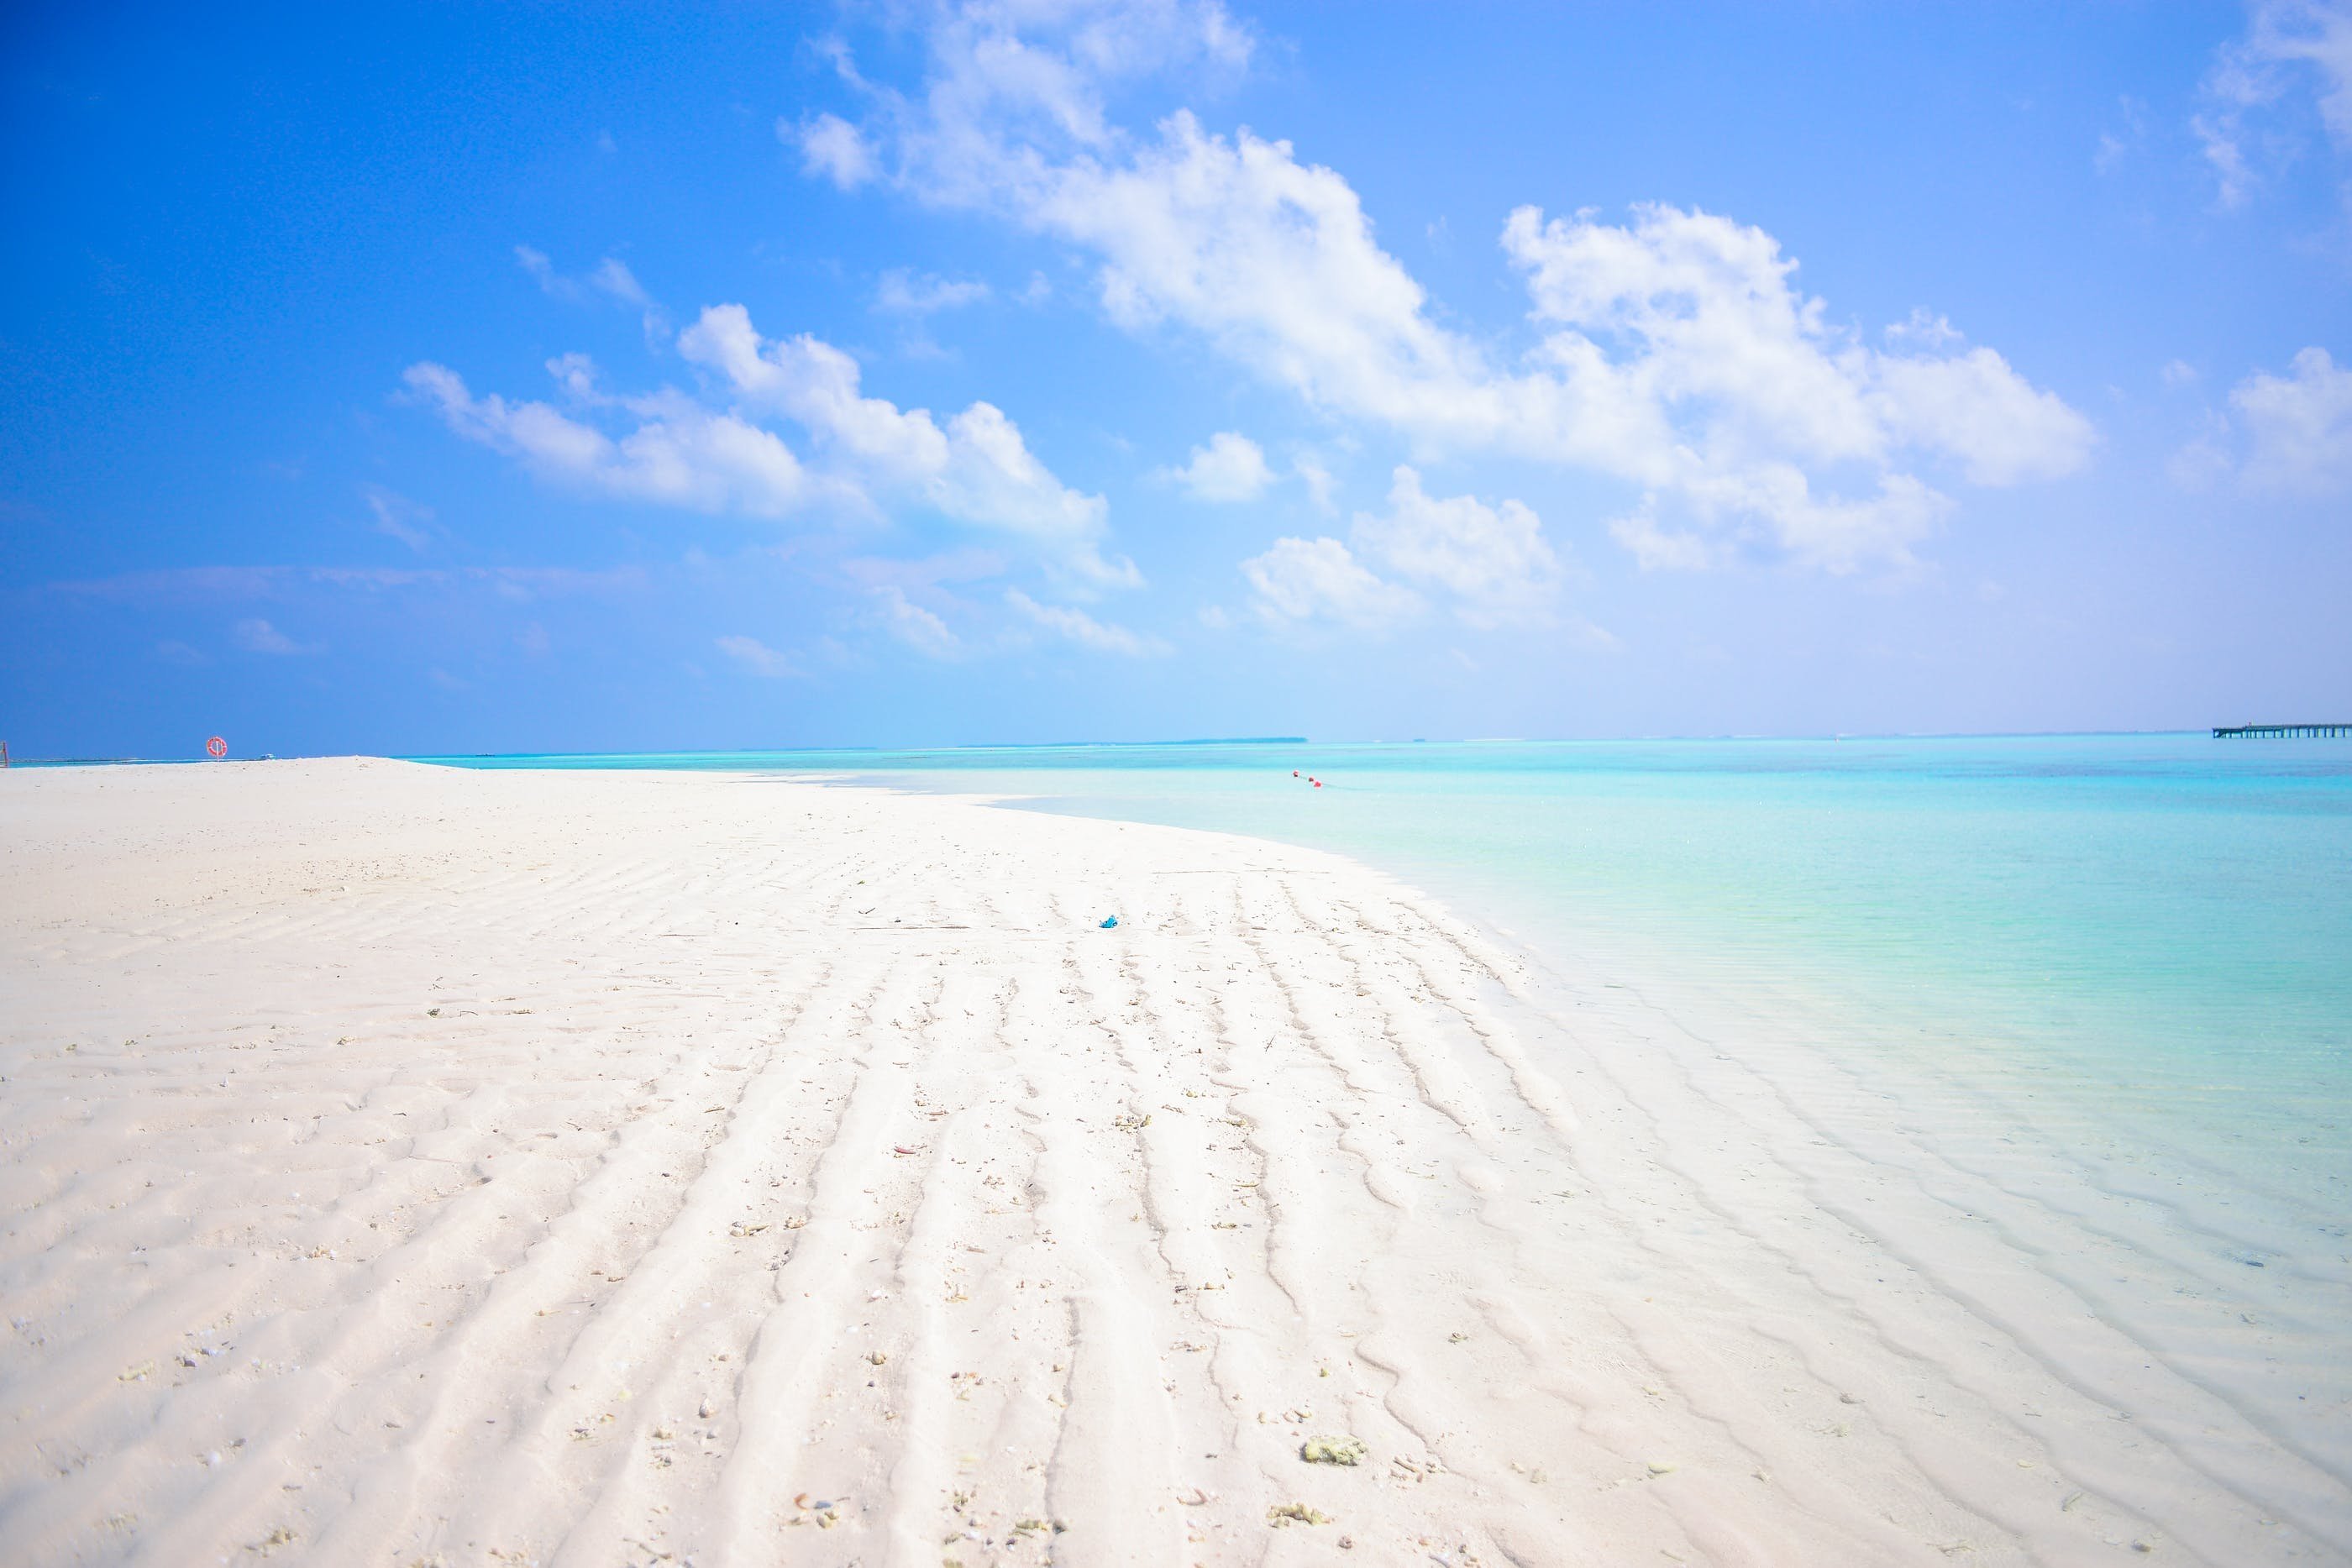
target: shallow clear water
2165 911
2062 1025
2140 945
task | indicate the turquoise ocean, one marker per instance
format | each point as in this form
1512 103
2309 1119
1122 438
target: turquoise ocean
2169 914
2092 992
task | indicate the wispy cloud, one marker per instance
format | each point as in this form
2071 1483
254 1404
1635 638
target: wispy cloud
2293 51
610 279
232 584
258 636
397 516
901 292
757 657
918 628
1076 626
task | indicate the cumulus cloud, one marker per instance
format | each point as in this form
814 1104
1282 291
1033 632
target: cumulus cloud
1493 561
757 657
2287 435
832 147
867 455
680 454
1310 579
1231 467
1674 352
976 469
1492 564
1078 626
2298 427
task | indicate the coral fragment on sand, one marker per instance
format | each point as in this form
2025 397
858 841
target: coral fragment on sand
1339 1450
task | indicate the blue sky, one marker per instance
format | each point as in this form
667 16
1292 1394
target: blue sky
520 378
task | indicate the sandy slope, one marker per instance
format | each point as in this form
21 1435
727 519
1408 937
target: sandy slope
401 1165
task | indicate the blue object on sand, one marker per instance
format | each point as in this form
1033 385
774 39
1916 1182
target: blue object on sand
1108 924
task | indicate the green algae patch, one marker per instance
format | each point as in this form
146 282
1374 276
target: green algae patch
1342 1450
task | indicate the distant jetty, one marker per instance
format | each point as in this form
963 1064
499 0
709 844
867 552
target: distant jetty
2278 731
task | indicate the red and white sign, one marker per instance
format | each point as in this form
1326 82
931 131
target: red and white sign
217 746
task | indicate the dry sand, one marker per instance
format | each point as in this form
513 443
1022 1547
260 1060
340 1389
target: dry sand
407 1165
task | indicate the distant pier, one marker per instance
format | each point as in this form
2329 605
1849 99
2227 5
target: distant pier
2279 731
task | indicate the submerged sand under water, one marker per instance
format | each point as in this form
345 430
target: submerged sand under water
402 1164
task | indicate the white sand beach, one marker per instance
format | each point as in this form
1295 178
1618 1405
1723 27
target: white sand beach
403 1164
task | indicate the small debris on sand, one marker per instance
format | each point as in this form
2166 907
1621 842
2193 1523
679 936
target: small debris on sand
1339 1450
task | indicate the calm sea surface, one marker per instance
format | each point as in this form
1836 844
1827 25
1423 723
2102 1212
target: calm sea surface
2170 914
2075 1013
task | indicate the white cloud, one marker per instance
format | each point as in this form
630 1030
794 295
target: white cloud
917 627
1655 550
2284 435
832 147
1231 467
611 276
1320 485
2113 149
614 278
901 293
1083 628
869 455
257 636
1493 561
400 517
679 454
2298 427
1924 327
1734 363
976 470
1674 354
2290 46
535 262
2178 373
2219 139
1306 579
757 657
